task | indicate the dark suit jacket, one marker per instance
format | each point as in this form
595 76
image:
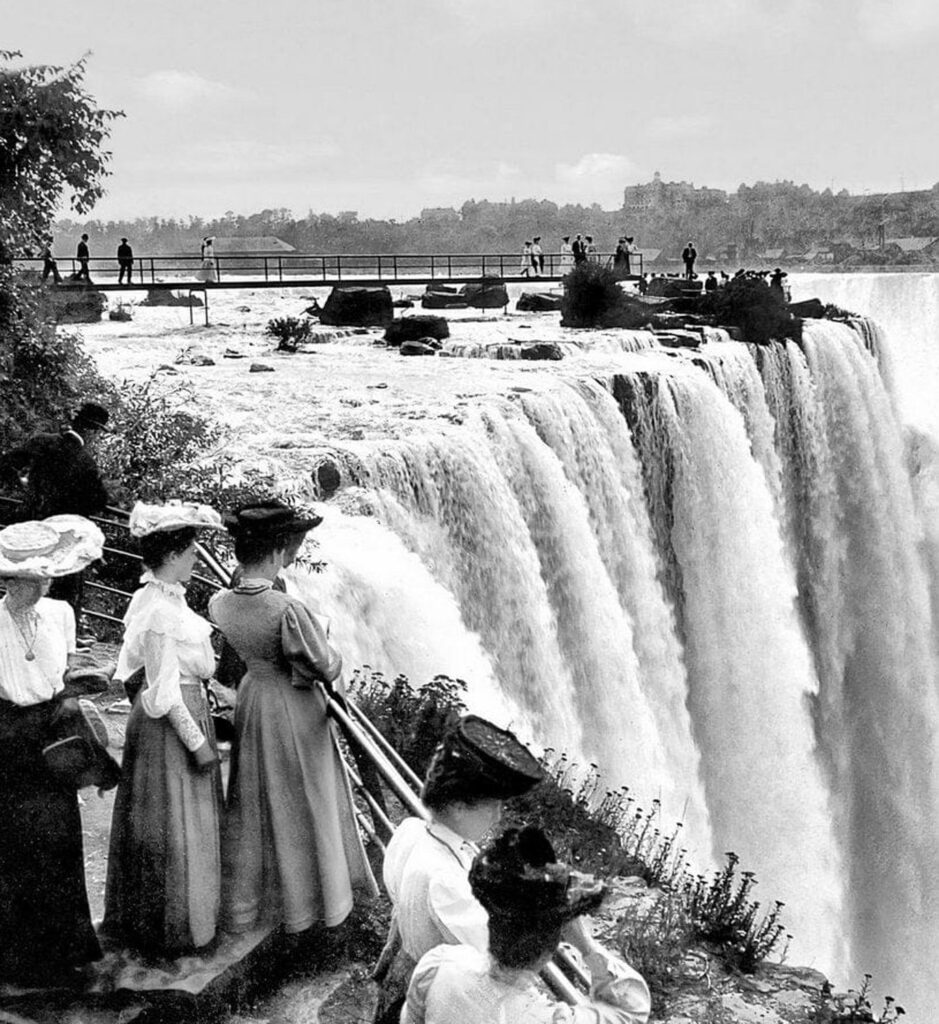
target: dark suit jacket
62 476
82 251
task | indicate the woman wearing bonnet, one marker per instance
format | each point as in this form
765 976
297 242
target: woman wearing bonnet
46 936
162 892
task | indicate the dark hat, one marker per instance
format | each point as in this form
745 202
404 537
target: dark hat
263 518
123 239
565 238
518 876
479 760
91 415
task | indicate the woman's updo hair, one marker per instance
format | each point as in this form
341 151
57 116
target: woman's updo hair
251 548
157 547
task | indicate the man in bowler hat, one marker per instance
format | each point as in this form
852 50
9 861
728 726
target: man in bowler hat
125 261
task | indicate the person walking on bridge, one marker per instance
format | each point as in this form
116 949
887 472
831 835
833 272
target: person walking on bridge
689 254
125 261
82 255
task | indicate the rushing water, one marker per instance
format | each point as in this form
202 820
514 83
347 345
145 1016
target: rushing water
716 577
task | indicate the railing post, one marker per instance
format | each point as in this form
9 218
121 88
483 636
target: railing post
449 266
483 273
379 267
395 266
280 268
152 272
431 267
265 268
339 267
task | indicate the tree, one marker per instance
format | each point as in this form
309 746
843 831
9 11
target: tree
51 138
51 134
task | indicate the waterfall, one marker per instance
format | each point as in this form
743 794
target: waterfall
715 574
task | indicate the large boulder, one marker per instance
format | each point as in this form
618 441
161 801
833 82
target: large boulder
358 306
537 302
435 299
808 308
489 293
541 350
73 305
410 328
422 347
166 297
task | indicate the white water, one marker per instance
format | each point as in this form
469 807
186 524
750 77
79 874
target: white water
725 592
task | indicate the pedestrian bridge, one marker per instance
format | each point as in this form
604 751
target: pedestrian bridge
308 270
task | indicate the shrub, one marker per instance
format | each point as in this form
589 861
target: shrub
289 331
655 940
594 298
758 310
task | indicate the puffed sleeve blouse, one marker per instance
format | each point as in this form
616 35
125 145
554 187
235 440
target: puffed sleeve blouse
31 681
165 637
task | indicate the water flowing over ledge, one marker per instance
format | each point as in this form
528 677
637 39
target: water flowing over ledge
711 574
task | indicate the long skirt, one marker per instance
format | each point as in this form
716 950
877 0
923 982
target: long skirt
45 922
291 849
164 875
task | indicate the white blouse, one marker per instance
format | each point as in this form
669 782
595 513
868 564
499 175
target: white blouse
426 872
166 638
27 682
458 983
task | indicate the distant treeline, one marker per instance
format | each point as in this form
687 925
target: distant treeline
750 221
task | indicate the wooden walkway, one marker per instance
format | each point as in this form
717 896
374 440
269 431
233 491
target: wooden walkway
308 270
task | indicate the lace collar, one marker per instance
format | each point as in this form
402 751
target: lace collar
176 590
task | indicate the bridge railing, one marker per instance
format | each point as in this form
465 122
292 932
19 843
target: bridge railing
329 267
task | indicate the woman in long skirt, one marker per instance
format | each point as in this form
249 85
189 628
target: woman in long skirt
162 893
291 849
46 935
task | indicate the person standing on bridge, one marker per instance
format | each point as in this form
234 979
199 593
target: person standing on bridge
524 267
49 265
208 272
537 256
567 255
125 261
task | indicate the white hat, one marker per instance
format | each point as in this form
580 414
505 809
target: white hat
174 515
57 546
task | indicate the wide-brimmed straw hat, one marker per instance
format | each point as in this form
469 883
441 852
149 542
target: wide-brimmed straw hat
174 515
480 758
518 876
48 548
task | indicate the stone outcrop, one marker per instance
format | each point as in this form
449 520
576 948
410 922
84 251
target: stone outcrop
410 328
541 350
437 298
420 347
77 305
813 309
537 302
167 297
489 293
358 306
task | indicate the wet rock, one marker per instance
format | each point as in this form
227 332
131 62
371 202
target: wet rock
490 293
260 368
411 328
120 315
327 478
231 353
808 308
438 299
541 350
403 303
537 302
358 306
194 357
76 305
166 297
422 347
678 339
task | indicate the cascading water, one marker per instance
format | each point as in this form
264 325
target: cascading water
713 575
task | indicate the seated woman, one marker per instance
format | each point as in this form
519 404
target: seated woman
533 903
46 936
474 769
162 891
291 849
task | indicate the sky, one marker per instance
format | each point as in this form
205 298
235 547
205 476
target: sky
385 107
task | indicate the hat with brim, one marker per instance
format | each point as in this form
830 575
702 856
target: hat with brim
518 877
479 757
92 416
48 548
174 515
272 516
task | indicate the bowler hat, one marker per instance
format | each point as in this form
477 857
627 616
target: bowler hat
518 876
92 415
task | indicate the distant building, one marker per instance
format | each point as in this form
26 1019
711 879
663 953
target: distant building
254 245
669 195
925 246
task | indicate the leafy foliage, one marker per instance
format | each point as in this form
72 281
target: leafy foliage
758 310
51 138
594 298
290 332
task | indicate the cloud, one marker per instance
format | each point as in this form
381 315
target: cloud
595 178
455 181
684 126
173 88
888 23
